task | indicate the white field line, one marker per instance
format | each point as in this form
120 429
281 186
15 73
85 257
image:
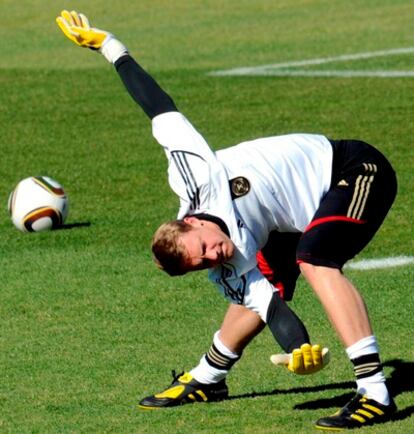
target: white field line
291 68
372 264
333 73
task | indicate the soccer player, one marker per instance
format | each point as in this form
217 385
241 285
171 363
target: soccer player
323 198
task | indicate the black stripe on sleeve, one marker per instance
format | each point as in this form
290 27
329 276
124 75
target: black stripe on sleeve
187 175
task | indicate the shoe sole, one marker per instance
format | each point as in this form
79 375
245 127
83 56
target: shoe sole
327 428
146 407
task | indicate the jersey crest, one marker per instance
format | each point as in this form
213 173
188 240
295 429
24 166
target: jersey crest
239 187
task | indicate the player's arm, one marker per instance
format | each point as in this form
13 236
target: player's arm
194 171
289 331
258 295
286 327
141 86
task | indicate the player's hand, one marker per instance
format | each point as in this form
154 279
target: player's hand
76 27
304 360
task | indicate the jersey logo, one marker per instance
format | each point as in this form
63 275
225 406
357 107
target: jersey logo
234 293
239 187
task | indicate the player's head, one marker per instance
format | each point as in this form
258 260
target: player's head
190 244
169 253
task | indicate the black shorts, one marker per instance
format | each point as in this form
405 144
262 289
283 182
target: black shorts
363 188
277 262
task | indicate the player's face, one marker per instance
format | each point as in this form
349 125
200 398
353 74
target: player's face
206 244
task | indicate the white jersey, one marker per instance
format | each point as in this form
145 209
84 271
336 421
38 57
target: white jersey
274 183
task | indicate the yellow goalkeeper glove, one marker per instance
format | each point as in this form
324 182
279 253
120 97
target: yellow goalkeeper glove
75 27
304 360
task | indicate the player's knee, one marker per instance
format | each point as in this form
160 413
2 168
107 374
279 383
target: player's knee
307 269
310 271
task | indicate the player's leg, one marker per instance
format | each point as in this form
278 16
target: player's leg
240 325
347 219
341 300
348 314
206 382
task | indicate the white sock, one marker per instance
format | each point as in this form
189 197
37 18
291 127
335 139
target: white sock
364 346
215 364
372 386
207 374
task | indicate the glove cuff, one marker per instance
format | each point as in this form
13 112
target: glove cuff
112 49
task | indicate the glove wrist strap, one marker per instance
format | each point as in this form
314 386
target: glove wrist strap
112 49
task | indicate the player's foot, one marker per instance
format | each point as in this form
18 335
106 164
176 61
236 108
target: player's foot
359 412
185 389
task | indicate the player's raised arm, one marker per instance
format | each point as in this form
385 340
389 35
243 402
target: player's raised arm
141 86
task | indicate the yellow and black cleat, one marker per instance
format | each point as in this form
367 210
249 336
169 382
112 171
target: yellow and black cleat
185 389
360 411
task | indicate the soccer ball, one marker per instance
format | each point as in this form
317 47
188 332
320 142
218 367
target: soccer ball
37 204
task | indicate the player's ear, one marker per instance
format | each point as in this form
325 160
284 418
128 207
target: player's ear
193 221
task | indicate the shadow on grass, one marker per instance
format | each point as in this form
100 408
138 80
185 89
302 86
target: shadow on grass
73 226
297 390
399 381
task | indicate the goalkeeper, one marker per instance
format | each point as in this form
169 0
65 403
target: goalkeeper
322 199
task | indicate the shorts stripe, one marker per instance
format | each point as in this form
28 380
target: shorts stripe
365 197
361 192
333 218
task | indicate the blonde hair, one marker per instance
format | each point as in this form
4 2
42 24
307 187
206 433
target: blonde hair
169 253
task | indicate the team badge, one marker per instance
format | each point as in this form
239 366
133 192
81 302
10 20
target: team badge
239 187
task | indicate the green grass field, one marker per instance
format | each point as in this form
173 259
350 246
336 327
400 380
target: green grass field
88 324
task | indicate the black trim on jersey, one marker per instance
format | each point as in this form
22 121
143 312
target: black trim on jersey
211 218
143 88
193 192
